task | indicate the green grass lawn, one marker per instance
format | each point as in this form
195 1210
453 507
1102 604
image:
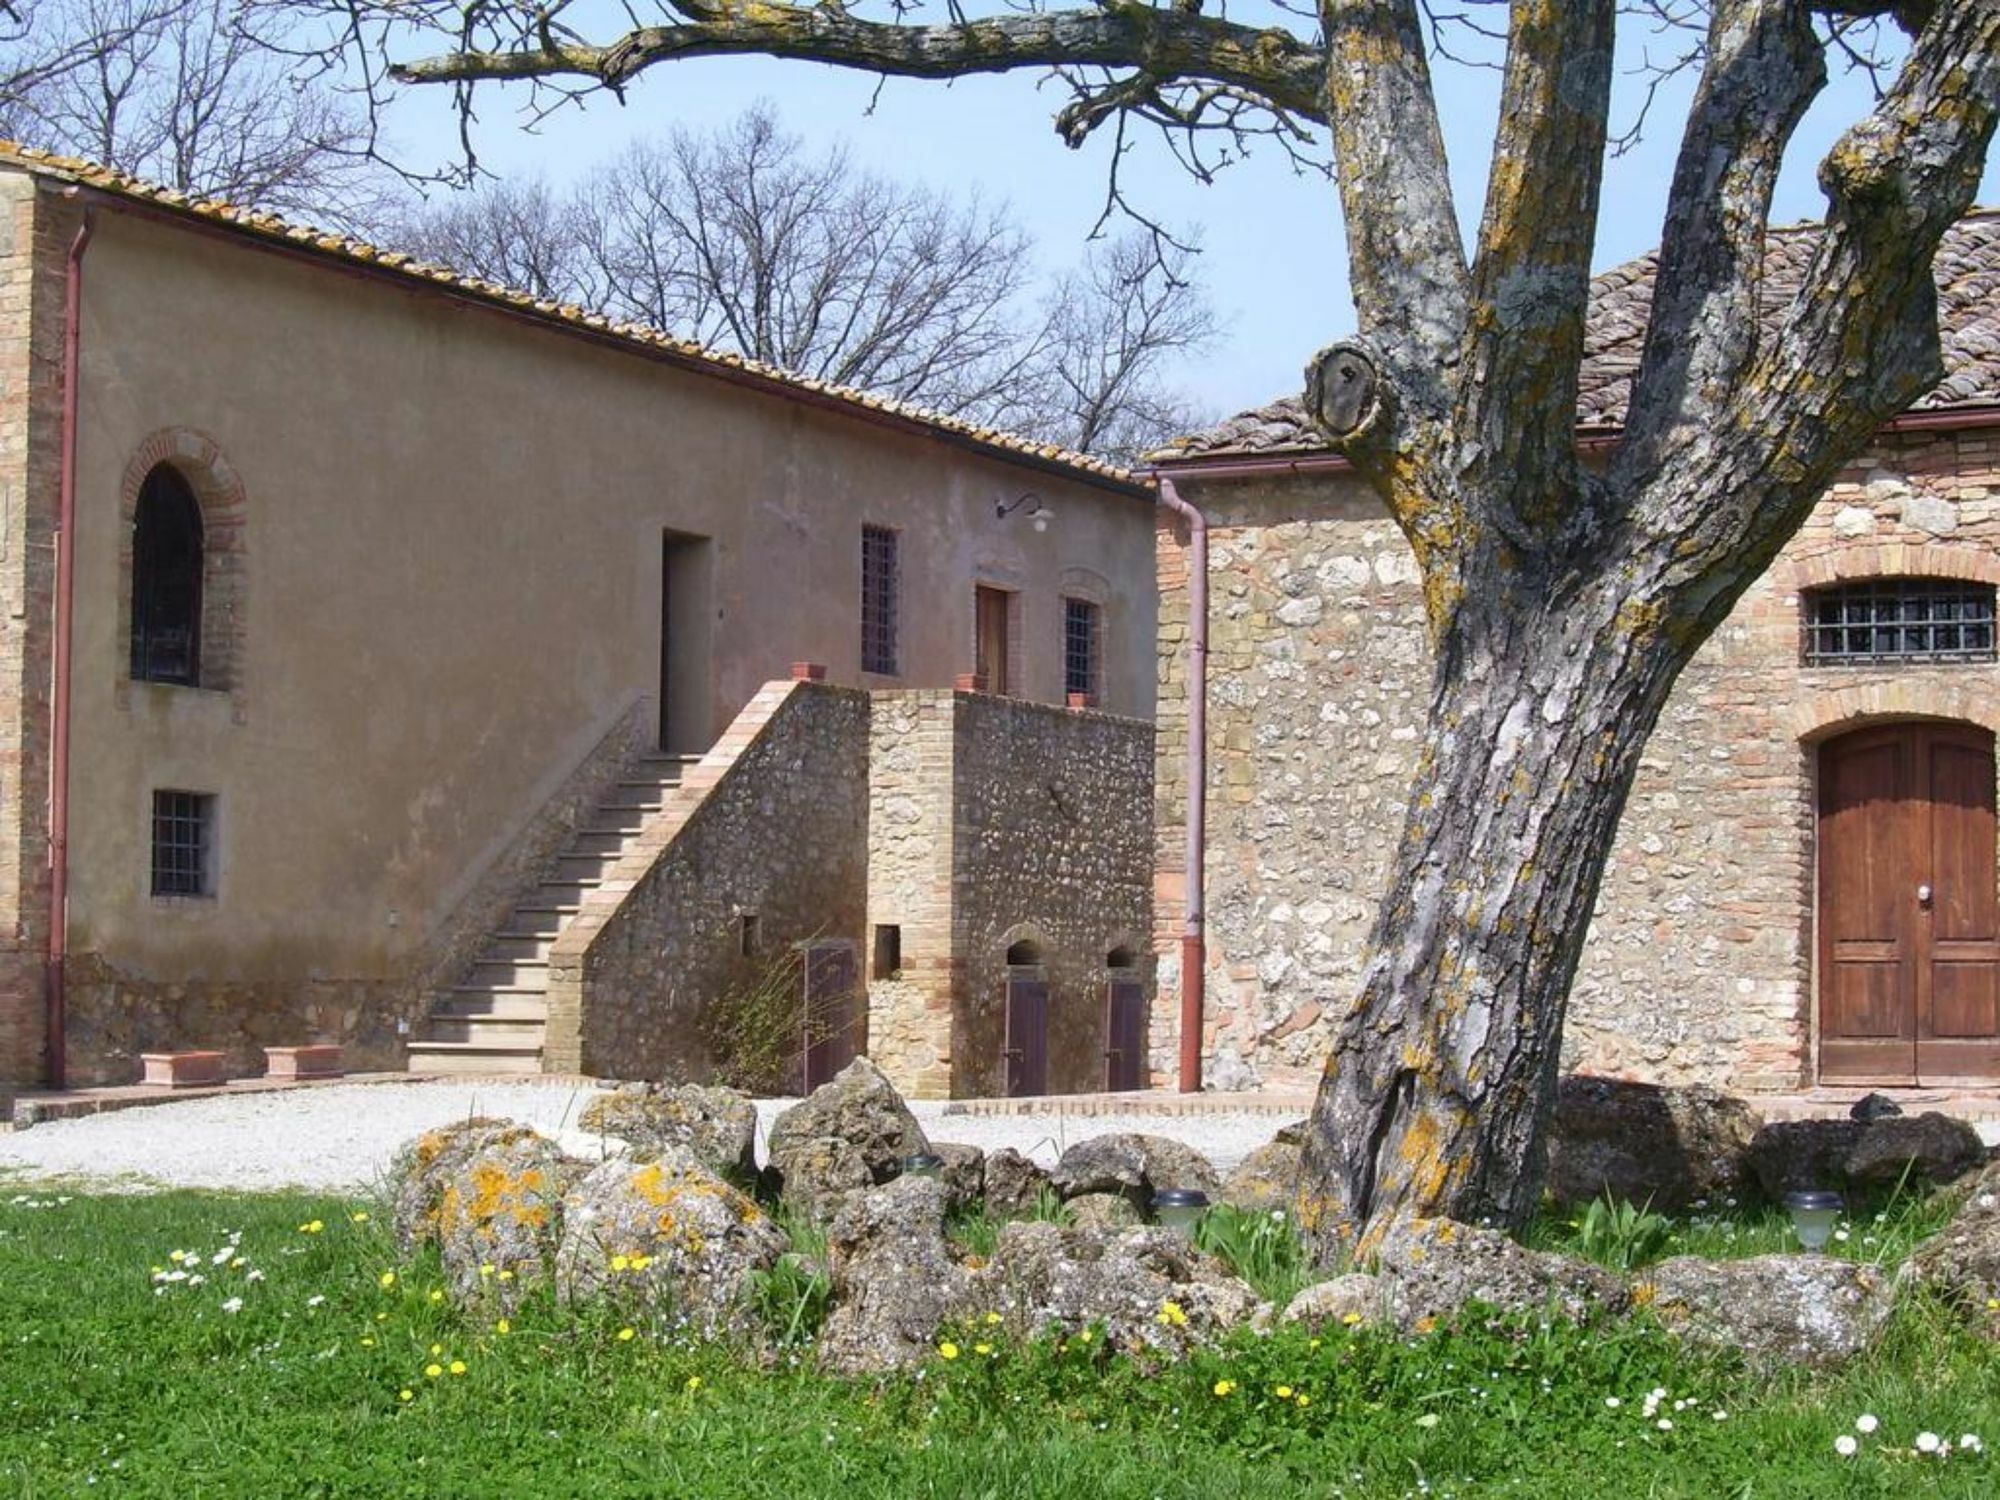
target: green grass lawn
113 1382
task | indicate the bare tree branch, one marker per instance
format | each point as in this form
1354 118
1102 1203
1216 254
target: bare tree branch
1166 44
1764 69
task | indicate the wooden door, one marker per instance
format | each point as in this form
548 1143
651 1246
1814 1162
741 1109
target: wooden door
990 642
1909 921
1027 1047
833 1005
1125 1034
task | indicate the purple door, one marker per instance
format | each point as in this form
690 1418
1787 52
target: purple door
1027 1047
1125 1032
832 1012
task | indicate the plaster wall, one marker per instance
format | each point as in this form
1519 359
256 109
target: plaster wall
446 590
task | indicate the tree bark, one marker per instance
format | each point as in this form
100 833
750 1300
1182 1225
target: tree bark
1437 1086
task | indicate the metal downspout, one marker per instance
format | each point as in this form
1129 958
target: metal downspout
65 609
1194 966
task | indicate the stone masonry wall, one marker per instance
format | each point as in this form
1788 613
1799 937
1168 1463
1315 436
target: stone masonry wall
1052 842
910 737
1698 966
772 822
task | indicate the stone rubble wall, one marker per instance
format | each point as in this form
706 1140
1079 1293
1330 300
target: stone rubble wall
772 822
1052 843
995 821
1698 965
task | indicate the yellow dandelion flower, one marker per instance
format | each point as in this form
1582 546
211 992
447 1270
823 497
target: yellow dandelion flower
1173 1315
506 1275
626 1335
312 1226
992 1319
694 1382
948 1349
620 1262
486 1271
436 1295
1312 1343
381 1317
1225 1387
387 1279
406 1394
1350 1319
458 1367
1284 1393
177 1256
238 1264
359 1216
433 1370
1083 1337
1303 1399
503 1326
367 1342
982 1348
640 1262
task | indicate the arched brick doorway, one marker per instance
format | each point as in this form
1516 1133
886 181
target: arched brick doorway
1909 915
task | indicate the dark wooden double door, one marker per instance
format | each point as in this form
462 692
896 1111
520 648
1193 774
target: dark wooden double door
1909 919
1026 1050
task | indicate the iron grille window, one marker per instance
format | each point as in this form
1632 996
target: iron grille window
1899 619
878 599
1079 646
166 581
183 838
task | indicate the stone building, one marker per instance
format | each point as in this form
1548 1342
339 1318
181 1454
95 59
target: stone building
1803 889
394 660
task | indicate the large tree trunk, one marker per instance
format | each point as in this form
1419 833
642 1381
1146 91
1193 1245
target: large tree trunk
1439 1082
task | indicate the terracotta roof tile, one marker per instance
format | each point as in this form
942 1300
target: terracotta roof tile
257 224
1968 278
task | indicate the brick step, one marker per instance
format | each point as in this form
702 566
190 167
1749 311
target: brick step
524 944
568 892
608 842
490 971
545 919
652 785
509 1032
470 1004
464 1059
623 821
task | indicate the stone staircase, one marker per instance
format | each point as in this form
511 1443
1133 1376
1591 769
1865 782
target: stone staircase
493 1021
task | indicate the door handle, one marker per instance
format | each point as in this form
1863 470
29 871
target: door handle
1924 894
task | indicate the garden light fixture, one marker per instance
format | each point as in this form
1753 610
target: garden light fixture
1813 1215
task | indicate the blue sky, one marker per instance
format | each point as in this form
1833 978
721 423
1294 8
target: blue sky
1273 256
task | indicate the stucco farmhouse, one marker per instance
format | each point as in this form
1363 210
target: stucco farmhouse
1804 886
391 660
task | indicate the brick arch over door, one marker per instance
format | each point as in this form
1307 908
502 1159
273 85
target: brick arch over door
198 459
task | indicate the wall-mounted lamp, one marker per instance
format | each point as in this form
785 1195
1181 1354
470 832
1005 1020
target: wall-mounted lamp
1032 505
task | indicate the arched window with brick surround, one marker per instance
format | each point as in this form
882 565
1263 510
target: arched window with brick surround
167 574
182 574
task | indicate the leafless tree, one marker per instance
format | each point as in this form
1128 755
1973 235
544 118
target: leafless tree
188 93
1563 600
742 239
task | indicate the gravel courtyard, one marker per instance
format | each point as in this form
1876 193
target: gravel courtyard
341 1137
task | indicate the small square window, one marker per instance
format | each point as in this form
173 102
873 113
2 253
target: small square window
183 844
887 960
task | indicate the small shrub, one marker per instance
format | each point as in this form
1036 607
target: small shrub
1615 1234
1262 1248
